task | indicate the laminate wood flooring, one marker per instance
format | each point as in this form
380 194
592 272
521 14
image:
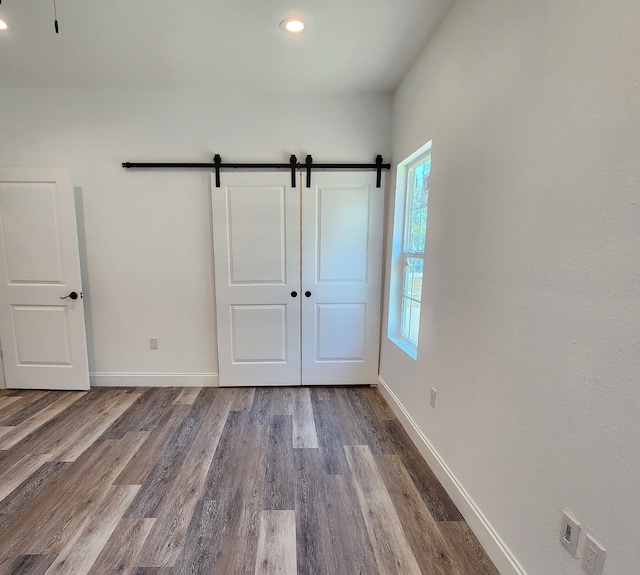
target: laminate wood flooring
265 481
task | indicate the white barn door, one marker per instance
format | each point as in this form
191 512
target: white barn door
298 278
42 335
342 223
256 236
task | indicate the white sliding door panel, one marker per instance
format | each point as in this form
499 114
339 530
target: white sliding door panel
43 336
342 224
256 231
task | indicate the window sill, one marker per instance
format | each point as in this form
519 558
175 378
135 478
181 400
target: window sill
412 353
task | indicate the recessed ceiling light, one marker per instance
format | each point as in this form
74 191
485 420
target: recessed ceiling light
3 25
293 25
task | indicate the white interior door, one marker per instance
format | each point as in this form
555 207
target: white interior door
256 233
43 336
342 227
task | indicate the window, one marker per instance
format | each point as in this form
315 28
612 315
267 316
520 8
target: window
410 229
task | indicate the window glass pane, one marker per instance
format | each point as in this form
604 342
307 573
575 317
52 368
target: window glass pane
420 176
416 206
407 280
405 317
411 295
410 320
412 281
416 196
417 227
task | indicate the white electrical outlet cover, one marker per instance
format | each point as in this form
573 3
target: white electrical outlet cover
570 532
593 556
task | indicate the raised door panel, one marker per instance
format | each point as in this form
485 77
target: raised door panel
349 321
341 234
257 229
31 243
259 334
41 335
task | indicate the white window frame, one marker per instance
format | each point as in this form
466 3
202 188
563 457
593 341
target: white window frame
399 252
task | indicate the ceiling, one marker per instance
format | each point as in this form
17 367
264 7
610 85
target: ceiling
349 46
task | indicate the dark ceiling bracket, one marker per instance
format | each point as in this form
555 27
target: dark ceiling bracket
293 165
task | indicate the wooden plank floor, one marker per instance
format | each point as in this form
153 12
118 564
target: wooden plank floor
314 481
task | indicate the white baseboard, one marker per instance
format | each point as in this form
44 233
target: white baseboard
499 553
112 379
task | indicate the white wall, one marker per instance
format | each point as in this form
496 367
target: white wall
146 236
531 323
